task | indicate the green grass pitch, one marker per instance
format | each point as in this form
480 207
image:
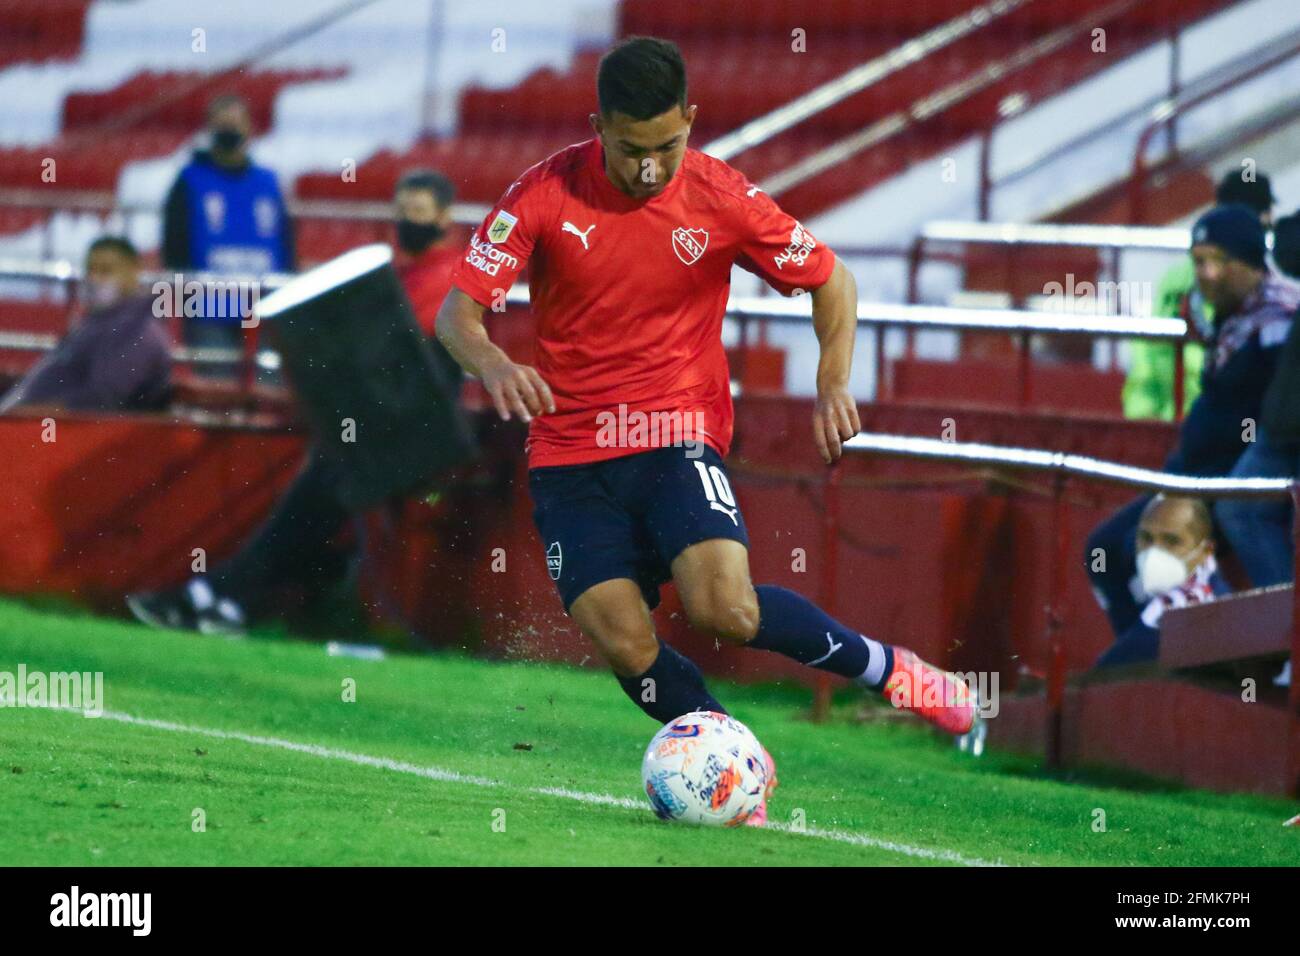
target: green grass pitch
444 759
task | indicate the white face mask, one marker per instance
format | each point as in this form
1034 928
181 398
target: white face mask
101 294
1160 570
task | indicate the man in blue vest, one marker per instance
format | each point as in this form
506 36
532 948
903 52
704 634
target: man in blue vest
225 214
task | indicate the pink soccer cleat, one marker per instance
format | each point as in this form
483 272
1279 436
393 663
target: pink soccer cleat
935 696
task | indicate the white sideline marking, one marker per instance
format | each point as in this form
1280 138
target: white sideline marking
452 776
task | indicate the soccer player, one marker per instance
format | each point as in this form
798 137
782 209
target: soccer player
631 238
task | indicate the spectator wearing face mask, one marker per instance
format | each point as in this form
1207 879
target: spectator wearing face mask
1175 568
294 542
1252 310
116 356
225 214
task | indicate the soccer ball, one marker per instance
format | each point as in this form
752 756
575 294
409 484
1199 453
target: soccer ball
705 767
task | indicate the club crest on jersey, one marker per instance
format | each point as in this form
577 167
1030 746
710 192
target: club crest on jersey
689 244
499 231
554 560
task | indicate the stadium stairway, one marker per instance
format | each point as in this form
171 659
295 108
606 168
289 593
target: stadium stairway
1051 152
741 63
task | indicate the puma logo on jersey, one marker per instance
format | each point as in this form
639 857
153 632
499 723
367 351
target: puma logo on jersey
570 227
752 191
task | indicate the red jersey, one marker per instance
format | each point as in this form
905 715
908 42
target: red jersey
630 294
427 280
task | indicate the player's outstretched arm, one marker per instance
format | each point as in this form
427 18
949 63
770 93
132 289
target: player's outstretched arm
513 387
835 320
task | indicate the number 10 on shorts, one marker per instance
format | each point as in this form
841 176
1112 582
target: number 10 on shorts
717 489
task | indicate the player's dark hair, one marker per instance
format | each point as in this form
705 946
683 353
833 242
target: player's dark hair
1257 193
117 244
642 77
429 180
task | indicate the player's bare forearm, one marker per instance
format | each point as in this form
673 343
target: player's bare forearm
513 387
462 333
835 320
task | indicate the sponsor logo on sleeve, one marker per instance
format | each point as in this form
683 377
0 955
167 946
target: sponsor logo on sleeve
499 231
801 245
487 258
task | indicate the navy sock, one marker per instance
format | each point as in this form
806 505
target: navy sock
790 624
670 687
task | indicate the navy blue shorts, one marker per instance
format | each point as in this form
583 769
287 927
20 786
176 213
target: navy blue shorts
629 517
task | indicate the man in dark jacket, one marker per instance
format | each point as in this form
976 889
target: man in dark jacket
117 355
1259 529
225 214
1252 309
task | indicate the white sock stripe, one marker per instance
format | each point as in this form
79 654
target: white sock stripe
875 671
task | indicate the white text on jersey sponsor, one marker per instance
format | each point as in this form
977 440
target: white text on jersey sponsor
801 244
624 429
487 258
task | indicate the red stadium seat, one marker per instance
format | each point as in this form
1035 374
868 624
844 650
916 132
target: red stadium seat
34 31
741 62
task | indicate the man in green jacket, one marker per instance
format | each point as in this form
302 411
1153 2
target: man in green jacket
1149 387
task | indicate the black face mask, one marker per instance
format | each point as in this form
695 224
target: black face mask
227 140
415 237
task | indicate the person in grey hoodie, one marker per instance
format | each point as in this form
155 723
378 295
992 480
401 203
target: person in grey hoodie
117 356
